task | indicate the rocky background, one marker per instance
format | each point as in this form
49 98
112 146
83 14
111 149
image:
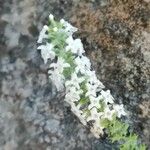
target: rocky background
116 37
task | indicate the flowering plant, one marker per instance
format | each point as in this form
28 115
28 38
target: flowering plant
71 70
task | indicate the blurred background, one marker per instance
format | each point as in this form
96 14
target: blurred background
116 37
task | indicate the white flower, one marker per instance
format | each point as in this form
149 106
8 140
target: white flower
75 46
94 81
78 113
46 52
108 113
107 97
119 110
82 120
43 34
97 130
51 17
75 81
94 114
62 21
86 61
69 29
83 64
92 86
60 65
72 94
57 79
91 90
56 74
94 102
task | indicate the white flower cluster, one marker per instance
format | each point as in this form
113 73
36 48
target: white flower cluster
99 104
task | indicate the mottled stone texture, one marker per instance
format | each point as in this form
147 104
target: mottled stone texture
116 36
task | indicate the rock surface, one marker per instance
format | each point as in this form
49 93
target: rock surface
116 37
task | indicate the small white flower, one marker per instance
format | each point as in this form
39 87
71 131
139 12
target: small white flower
46 52
60 65
78 113
51 17
97 130
108 113
56 74
91 89
82 120
83 64
43 34
86 61
94 114
72 94
62 21
69 29
94 81
57 79
75 81
107 97
94 102
69 41
75 46
119 110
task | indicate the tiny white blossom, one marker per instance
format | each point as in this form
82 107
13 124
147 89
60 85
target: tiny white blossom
94 114
75 46
78 113
94 81
119 110
72 94
108 113
97 129
56 74
83 64
57 79
86 61
107 97
62 21
43 34
69 29
94 102
60 65
75 81
51 17
46 52
91 90
90 93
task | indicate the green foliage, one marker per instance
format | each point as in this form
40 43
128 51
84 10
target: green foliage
86 112
130 143
105 123
58 39
118 132
70 60
142 147
83 86
84 100
102 106
53 24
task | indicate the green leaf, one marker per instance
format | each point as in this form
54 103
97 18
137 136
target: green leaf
142 147
105 123
102 106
